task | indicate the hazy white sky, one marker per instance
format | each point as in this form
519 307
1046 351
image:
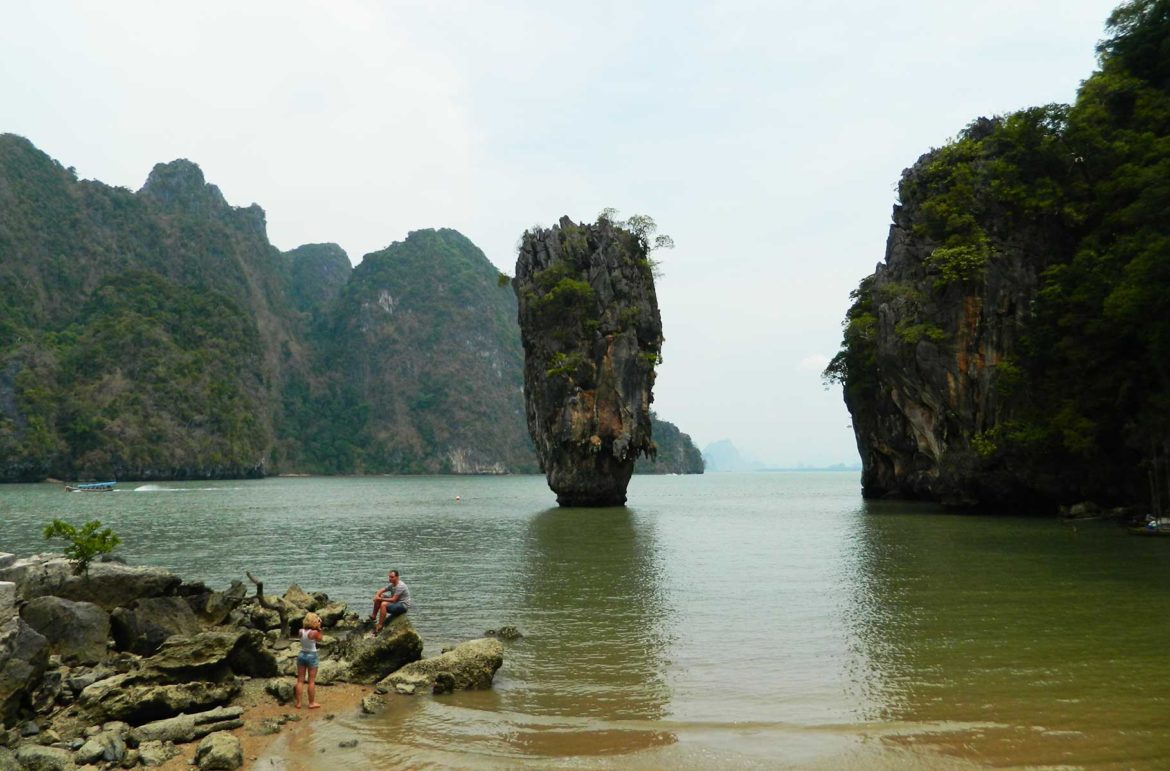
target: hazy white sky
766 138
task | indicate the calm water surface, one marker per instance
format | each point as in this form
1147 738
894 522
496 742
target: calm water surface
721 621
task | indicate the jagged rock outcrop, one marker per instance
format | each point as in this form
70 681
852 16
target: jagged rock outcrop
468 666
592 336
938 348
56 711
1011 351
397 645
108 584
146 623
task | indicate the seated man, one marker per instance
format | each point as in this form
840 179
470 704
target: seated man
394 600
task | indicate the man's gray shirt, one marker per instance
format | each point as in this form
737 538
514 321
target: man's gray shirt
401 590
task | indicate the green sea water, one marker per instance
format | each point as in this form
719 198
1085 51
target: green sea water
718 621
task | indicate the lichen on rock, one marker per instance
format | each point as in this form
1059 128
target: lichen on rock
592 337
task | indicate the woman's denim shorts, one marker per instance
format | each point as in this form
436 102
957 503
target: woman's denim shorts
306 659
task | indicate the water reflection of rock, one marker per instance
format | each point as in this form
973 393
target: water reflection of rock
595 646
1021 642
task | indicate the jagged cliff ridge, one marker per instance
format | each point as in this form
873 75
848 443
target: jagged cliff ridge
159 335
592 336
139 333
1012 350
422 344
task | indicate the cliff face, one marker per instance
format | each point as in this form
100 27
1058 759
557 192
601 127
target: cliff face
674 452
141 332
1013 351
592 336
423 343
159 335
939 345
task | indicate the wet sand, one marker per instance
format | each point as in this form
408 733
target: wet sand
270 750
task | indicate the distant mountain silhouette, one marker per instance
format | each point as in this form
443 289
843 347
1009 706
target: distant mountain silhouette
723 456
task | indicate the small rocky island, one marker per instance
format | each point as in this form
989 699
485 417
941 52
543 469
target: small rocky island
115 668
592 337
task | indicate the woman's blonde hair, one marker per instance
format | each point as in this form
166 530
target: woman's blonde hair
312 620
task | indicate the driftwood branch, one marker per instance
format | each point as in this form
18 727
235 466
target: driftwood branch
279 607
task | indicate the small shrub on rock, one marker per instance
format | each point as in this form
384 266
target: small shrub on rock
84 544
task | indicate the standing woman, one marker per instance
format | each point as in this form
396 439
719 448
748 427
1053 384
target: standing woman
307 659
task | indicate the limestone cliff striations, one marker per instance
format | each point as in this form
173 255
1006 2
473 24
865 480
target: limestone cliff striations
1014 349
934 340
592 336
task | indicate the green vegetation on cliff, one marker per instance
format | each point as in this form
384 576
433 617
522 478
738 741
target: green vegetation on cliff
159 335
419 368
675 453
1079 401
133 328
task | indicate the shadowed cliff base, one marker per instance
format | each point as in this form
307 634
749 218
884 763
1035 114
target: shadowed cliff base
592 336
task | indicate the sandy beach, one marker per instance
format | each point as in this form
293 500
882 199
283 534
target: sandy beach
280 749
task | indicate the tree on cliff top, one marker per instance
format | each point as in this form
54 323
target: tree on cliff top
1141 40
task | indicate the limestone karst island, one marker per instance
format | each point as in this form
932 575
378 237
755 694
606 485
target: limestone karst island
323 482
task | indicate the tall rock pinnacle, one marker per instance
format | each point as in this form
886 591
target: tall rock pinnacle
592 336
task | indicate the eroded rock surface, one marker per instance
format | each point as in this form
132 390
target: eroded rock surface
126 709
24 657
933 349
397 645
469 666
592 336
76 631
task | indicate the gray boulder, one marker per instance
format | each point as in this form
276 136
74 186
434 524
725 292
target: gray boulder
156 753
147 623
298 598
280 689
470 665
24 657
373 703
109 584
126 697
105 746
77 631
80 678
262 618
221 751
213 656
34 756
396 646
214 608
332 613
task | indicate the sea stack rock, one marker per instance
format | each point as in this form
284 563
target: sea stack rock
592 336
934 337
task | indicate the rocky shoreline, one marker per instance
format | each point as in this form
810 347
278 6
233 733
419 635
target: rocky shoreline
121 667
